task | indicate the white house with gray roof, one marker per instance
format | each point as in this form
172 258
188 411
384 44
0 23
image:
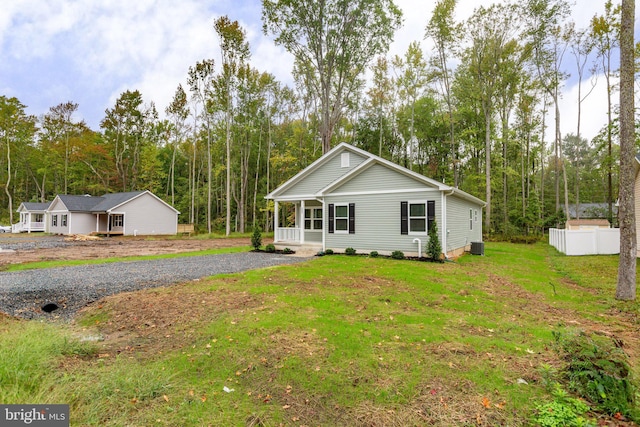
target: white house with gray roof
32 217
131 213
350 198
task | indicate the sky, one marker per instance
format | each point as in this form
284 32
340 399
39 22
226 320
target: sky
91 51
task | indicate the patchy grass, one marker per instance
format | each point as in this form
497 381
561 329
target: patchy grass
334 341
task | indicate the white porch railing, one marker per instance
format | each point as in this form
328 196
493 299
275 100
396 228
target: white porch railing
288 234
20 227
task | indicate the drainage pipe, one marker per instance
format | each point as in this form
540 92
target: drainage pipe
419 242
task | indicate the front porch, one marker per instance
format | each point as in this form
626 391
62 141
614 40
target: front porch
303 225
29 221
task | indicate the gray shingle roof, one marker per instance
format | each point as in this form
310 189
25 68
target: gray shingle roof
79 203
111 200
34 206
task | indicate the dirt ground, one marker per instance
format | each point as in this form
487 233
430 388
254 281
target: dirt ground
50 248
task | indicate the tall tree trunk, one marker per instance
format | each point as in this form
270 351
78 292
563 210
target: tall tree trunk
6 187
487 150
626 286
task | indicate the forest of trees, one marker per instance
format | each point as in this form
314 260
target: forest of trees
473 114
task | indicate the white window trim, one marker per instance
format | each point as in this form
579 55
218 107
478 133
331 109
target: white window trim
426 217
335 218
312 218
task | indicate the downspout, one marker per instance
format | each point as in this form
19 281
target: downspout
324 246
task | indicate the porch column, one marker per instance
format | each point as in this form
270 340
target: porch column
276 221
302 213
29 222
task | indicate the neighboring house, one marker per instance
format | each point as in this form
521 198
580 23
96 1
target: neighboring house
32 217
132 213
350 198
591 210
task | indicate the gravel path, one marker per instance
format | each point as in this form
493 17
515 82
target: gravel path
24 293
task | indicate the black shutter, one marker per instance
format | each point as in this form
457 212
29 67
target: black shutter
352 218
331 217
431 213
404 218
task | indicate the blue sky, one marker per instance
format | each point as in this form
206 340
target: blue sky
90 51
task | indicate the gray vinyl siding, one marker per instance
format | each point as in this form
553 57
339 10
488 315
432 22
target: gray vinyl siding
146 215
458 224
378 178
324 175
377 222
81 223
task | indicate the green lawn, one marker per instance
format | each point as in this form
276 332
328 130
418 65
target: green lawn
337 340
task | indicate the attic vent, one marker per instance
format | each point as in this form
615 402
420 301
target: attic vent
344 160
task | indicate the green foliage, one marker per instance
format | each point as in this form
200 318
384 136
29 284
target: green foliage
256 238
397 255
270 248
434 248
329 252
598 370
563 411
287 251
350 251
374 254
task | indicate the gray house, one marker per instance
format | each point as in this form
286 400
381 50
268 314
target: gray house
131 213
352 198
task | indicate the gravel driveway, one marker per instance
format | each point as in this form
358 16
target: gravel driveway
24 293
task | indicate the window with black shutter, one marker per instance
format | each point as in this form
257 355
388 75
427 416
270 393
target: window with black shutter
416 217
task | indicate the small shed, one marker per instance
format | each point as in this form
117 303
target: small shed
587 224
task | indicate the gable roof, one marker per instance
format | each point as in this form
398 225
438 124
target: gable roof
104 203
35 206
372 159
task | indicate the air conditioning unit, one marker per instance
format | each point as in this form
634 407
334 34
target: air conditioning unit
477 248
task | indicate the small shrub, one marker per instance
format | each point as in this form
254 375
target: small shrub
320 253
328 252
434 248
562 411
270 248
256 238
397 255
374 254
350 251
287 251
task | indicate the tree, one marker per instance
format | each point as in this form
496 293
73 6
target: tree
235 52
177 113
17 130
412 82
332 42
626 286
604 33
446 34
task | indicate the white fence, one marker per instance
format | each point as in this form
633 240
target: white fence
597 241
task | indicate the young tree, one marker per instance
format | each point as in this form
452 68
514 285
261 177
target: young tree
177 113
235 52
332 41
446 34
626 287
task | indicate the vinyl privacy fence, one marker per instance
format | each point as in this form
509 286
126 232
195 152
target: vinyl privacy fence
596 241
